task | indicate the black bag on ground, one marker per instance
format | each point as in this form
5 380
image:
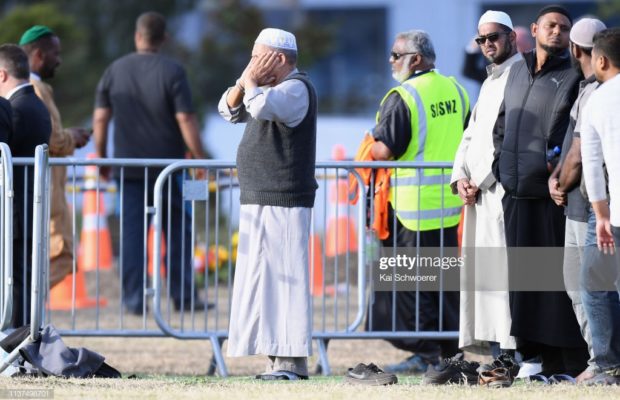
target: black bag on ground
49 356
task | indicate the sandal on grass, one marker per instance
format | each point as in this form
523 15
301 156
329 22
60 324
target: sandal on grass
281 376
495 378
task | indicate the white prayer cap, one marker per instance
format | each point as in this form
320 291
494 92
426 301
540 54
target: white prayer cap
277 38
582 33
496 17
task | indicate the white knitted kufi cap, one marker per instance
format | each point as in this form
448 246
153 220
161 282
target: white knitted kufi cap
496 17
277 38
582 33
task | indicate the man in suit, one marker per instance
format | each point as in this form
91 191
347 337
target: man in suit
31 127
43 49
6 120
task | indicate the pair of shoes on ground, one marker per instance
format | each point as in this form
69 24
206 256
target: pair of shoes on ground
453 370
499 373
370 374
551 380
412 365
495 378
281 376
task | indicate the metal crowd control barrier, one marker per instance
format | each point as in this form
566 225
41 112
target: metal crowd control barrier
197 190
40 253
327 321
6 244
207 210
369 249
97 318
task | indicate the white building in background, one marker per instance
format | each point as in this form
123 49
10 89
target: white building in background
353 78
451 24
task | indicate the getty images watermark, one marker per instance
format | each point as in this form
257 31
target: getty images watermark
494 269
26 393
403 268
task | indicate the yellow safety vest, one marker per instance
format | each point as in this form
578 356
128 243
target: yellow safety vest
438 106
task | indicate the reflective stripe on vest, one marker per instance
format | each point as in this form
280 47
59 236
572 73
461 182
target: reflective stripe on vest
422 197
431 214
421 180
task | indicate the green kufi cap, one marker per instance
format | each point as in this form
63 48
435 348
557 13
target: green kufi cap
34 33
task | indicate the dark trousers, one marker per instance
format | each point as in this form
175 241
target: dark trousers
133 246
22 277
403 304
543 323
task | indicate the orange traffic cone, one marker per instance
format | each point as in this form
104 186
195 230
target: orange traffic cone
315 263
150 249
94 236
341 231
61 295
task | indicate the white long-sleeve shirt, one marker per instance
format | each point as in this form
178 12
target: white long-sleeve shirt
600 143
286 102
474 156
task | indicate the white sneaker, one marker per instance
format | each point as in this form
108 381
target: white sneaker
529 368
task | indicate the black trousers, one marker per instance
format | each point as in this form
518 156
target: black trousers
543 323
22 277
402 305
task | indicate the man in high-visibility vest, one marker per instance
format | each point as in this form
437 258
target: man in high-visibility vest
422 120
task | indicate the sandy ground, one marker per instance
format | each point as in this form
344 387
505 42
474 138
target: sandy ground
167 368
169 356
179 357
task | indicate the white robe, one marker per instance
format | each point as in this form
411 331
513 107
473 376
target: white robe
484 314
271 307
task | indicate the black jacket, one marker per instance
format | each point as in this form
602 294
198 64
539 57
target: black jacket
533 119
6 120
31 127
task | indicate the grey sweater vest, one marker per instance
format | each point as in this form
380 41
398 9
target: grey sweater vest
275 163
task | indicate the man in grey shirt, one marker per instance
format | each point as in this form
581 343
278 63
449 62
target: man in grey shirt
149 98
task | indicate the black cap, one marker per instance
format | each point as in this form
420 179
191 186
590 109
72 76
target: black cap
554 8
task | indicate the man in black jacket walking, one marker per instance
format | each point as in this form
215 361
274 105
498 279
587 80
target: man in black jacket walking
31 127
537 101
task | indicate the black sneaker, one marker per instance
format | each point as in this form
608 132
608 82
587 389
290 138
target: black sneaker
369 374
452 370
502 361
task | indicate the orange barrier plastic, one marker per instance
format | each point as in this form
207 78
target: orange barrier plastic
315 265
61 295
341 230
95 232
149 252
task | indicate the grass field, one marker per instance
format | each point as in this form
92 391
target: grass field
170 387
173 369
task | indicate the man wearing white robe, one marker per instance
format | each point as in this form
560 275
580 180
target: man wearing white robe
270 309
484 305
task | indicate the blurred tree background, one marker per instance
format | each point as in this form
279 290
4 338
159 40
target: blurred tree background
212 38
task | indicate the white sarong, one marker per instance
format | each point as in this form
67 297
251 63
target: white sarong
270 311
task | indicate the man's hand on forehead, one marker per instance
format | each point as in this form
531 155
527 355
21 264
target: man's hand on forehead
262 67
